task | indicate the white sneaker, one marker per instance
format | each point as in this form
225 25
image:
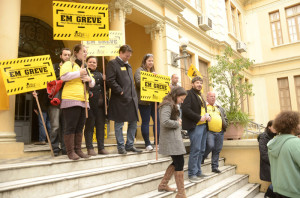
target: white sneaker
149 148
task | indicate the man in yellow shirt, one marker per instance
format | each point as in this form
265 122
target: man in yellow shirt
216 128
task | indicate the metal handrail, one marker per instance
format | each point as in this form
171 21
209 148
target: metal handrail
254 129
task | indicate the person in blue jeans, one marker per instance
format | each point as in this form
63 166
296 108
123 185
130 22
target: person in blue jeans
194 120
147 109
123 103
215 135
44 104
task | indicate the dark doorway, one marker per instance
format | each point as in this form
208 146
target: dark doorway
36 38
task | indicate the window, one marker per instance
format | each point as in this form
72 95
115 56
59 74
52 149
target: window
203 69
276 28
284 94
240 25
293 22
233 20
297 87
196 4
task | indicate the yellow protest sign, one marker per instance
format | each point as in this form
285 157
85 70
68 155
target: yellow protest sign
105 48
193 71
27 74
80 21
154 87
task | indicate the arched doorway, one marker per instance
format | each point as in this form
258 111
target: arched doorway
36 38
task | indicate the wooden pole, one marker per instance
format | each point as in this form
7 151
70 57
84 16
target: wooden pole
104 85
43 121
85 99
155 106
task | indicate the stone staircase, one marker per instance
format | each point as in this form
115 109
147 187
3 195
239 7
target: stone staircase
114 176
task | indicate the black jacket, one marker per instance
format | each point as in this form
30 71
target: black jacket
122 108
191 110
96 100
263 139
43 100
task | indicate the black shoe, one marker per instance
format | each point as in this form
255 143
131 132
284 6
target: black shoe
202 162
122 151
133 149
56 154
216 170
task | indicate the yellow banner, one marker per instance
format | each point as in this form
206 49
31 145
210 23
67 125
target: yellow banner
193 72
105 48
80 21
27 74
154 87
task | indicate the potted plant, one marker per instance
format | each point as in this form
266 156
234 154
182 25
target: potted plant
226 78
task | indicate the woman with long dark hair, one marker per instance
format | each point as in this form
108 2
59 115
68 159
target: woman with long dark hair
75 75
97 111
171 142
147 109
265 173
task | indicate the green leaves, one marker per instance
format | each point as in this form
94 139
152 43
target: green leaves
227 79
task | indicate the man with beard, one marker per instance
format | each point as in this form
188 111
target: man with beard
56 122
194 120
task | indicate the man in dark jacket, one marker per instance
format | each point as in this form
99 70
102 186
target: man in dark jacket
265 172
215 135
194 120
56 122
123 104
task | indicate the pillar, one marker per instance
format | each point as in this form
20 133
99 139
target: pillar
156 30
117 15
9 39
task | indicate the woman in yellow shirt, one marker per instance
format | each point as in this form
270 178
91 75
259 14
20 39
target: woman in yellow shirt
74 74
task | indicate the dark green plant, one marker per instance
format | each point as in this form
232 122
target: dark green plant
225 78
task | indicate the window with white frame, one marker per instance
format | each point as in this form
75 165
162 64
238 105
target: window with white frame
293 22
276 28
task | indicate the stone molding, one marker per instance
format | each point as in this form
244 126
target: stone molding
156 29
121 6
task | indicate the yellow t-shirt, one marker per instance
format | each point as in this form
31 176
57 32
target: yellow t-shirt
73 89
215 123
203 112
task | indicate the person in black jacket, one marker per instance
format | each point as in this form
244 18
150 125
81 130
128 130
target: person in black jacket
96 117
123 103
194 120
265 173
55 113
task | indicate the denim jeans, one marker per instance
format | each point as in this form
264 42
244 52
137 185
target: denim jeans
214 144
198 137
42 133
56 122
146 111
130 134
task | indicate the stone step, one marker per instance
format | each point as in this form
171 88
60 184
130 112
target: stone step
247 191
223 188
43 166
260 195
142 185
192 188
75 180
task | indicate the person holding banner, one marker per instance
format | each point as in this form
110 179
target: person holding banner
194 120
123 104
96 116
146 108
55 112
171 142
74 74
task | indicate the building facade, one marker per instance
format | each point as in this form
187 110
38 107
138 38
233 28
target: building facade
267 31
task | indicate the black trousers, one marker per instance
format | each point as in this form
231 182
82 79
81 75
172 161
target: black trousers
96 119
178 162
74 119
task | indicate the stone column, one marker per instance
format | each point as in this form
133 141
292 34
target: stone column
9 39
156 31
117 15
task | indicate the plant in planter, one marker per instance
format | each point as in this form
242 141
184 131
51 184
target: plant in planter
226 78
